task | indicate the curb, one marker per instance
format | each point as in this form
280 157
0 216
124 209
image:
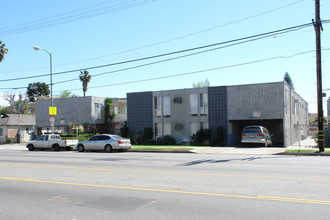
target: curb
161 151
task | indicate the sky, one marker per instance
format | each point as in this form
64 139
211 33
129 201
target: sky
103 34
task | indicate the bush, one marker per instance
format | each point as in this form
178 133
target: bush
150 142
166 140
124 130
200 137
137 139
8 141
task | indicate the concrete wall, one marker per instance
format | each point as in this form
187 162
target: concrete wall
256 101
295 116
78 109
255 104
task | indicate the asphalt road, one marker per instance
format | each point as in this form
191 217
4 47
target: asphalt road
95 185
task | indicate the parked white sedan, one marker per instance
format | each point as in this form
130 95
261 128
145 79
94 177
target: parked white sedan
107 142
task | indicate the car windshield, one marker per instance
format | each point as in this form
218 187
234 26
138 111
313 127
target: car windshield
251 130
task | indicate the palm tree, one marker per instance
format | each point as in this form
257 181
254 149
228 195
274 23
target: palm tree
3 51
85 77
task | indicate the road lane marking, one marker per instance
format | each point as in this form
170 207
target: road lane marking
61 198
168 172
269 198
148 204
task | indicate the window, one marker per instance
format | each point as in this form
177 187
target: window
167 128
194 104
166 106
158 129
41 138
95 138
116 110
157 106
199 104
122 111
162 106
203 104
193 128
98 110
103 137
204 125
1 132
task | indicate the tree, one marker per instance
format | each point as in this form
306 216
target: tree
34 90
108 115
66 94
201 84
287 79
85 78
3 51
124 130
6 110
16 106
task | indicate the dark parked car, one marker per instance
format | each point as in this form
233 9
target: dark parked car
256 135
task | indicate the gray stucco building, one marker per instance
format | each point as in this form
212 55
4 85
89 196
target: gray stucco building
328 108
80 110
181 113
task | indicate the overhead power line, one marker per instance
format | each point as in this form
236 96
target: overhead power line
166 60
180 37
246 39
189 73
199 71
74 15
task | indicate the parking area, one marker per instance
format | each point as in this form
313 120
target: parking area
275 127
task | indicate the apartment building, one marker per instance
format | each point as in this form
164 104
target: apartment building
181 113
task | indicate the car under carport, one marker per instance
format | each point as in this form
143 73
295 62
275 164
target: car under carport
274 126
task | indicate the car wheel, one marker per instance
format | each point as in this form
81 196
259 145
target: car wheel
56 147
80 148
31 147
108 148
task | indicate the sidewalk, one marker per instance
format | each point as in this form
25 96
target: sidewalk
308 143
239 150
13 147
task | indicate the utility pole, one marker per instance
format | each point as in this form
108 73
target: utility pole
318 27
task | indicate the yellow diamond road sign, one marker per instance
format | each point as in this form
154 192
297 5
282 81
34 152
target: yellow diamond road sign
52 111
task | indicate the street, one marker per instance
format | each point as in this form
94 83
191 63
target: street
129 185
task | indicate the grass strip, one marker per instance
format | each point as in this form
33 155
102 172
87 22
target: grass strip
305 151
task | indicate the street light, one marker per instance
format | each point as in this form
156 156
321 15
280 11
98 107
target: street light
51 77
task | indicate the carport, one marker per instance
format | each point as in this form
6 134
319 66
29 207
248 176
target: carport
274 126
